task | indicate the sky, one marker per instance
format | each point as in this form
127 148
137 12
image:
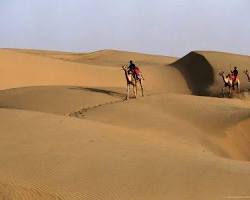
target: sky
166 27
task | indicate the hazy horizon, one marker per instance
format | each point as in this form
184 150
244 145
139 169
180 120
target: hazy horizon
166 27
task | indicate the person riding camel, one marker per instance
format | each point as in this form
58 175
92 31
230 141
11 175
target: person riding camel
234 74
131 66
135 70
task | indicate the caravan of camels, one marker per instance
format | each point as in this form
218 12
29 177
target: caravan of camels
134 76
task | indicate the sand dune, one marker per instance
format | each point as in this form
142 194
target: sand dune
20 69
67 133
201 69
60 100
169 110
104 57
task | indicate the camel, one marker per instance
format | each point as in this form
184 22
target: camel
132 80
228 82
248 77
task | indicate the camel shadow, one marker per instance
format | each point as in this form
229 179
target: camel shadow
102 91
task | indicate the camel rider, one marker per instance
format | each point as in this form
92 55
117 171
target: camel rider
134 69
234 73
131 66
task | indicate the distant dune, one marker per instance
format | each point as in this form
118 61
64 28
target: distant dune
103 57
67 133
201 69
22 68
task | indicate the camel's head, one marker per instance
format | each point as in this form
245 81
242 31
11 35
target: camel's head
124 67
221 73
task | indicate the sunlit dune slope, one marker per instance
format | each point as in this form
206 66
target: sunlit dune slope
205 120
104 57
56 157
20 69
58 99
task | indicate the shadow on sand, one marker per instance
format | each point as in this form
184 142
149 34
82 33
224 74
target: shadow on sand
197 71
99 90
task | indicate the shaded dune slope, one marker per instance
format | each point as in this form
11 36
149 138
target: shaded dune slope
201 69
238 137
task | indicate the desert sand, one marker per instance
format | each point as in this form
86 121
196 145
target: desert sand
67 133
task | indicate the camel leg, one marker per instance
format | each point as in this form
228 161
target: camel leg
222 91
142 93
135 89
128 87
230 92
238 87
